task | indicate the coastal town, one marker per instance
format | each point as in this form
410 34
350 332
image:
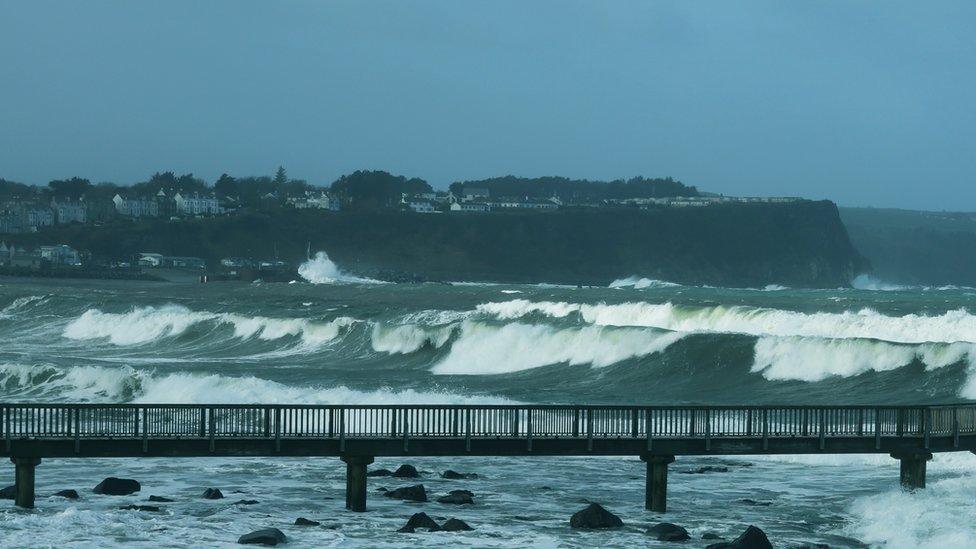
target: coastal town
166 197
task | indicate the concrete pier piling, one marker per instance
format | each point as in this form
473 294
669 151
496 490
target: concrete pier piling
912 469
356 482
656 494
24 480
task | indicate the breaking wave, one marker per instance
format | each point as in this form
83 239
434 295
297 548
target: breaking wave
144 325
125 384
951 327
639 283
486 349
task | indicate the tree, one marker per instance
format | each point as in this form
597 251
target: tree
281 177
374 190
72 188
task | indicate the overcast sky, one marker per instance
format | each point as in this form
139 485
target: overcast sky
866 103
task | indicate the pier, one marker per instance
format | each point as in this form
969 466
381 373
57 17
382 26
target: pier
658 435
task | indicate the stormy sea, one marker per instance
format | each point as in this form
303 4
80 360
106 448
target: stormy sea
338 339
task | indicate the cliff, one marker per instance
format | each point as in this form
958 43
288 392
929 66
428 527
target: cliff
800 244
915 247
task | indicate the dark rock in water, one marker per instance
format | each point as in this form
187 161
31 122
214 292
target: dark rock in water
268 536
246 502
595 516
160 499
147 508
117 486
213 493
755 503
711 535
9 492
382 489
419 520
410 493
454 475
455 525
406 471
68 494
752 538
468 493
380 473
458 497
302 521
706 469
811 546
665 531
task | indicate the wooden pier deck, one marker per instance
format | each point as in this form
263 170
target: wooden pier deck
358 434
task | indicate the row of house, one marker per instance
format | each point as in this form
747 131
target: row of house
162 205
474 201
314 200
28 216
57 254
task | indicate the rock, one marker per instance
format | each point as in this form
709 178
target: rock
457 497
246 502
755 503
68 494
706 469
117 487
595 516
380 473
160 499
454 475
302 521
711 535
406 471
410 493
419 520
455 525
752 538
811 545
665 531
147 508
268 536
213 493
382 489
8 493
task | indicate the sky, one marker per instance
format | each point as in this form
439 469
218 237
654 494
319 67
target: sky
864 103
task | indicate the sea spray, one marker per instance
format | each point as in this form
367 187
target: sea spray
322 270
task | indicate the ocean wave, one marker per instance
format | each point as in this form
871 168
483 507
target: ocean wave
816 359
484 349
124 384
21 303
408 338
640 283
143 325
950 327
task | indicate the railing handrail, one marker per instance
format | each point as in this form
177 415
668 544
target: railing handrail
717 407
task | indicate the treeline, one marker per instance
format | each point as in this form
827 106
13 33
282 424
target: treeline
362 190
578 190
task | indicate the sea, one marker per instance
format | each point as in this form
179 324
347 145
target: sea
333 338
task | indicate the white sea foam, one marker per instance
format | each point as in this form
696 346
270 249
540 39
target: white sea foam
953 326
20 303
815 359
148 324
322 270
487 349
126 384
640 283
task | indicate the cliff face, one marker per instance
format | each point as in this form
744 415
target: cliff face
915 247
801 244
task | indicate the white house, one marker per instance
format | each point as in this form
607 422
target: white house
480 207
60 254
196 204
150 259
66 211
136 207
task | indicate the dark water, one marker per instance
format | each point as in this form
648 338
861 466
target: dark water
645 342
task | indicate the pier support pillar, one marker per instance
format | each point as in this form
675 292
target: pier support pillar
656 495
913 469
24 480
356 482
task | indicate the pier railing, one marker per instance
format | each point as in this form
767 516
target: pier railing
79 421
